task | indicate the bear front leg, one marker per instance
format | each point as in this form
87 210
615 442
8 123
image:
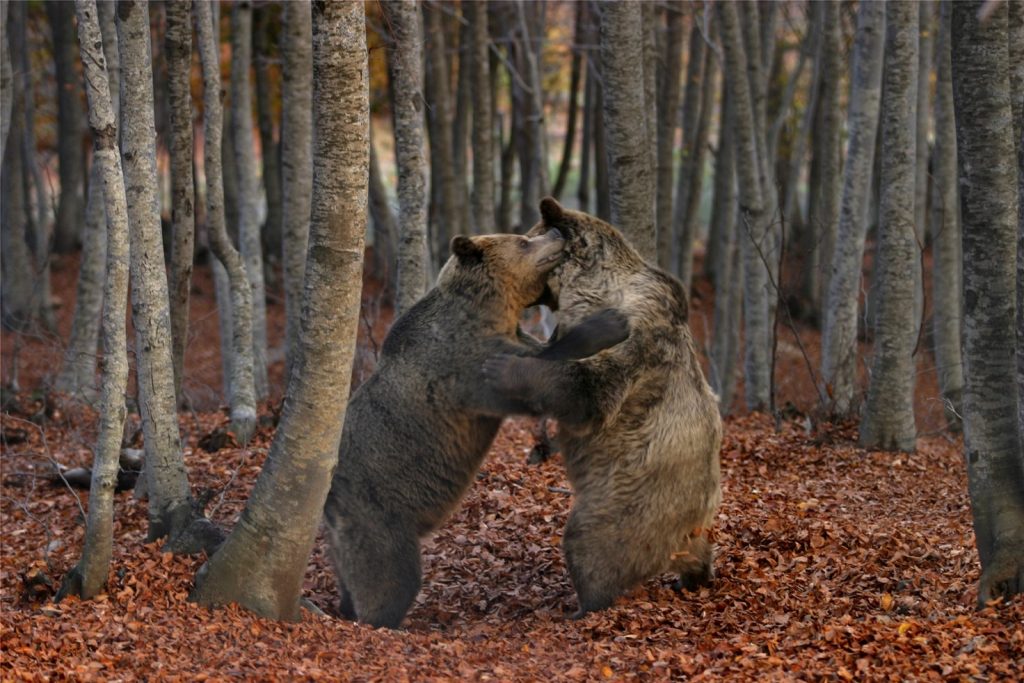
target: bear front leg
695 565
542 387
595 333
593 566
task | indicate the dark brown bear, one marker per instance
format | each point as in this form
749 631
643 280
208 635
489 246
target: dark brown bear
418 429
639 426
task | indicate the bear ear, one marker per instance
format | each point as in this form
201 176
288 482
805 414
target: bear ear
552 211
466 250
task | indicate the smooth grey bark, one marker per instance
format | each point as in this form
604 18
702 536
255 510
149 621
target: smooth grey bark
1016 38
945 234
405 69
178 42
267 94
444 212
839 335
691 111
6 81
262 564
753 230
826 181
461 120
70 122
688 229
296 161
575 78
587 143
630 175
723 199
888 420
926 28
649 42
989 205
239 381
668 111
384 229
170 500
89 575
527 100
249 242
483 120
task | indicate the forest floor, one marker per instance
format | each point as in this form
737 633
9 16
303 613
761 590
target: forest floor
833 562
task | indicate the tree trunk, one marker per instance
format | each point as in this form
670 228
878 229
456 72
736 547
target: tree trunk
888 421
668 110
179 100
989 210
945 234
839 336
526 95
575 77
90 574
754 224
483 121
926 26
262 564
70 121
444 194
587 143
6 80
405 69
461 121
691 112
384 230
296 162
270 150
240 380
249 241
630 173
1016 36
170 500
602 185
649 42
723 201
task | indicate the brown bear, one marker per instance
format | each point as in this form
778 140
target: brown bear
418 429
639 427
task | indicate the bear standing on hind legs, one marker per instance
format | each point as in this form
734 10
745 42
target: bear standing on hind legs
638 424
418 429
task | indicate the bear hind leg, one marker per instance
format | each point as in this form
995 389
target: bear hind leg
596 575
383 579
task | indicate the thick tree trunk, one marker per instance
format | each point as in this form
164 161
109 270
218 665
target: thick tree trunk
242 397
170 501
6 80
444 213
296 162
90 574
483 121
989 209
1016 39
587 143
723 200
888 421
839 336
270 150
945 234
183 219
249 241
70 121
691 111
649 42
526 95
753 230
926 28
464 106
602 184
262 564
405 69
630 174
668 111
575 77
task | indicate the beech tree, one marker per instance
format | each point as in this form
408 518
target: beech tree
262 563
668 107
989 204
483 119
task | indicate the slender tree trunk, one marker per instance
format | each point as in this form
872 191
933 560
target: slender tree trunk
170 500
649 43
405 69
723 201
1016 38
526 95
945 234
602 184
691 112
688 230
926 24
444 192
587 143
6 80
630 173
296 161
483 121
989 205
575 77
70 121
179 95
839 337
90 574
668 110
384 229
249 241
270 150
464 106
262 564
240 380
753 229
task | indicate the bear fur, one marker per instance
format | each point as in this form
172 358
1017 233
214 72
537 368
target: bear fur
639 427
418 429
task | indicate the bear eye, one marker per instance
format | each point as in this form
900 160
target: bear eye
524 243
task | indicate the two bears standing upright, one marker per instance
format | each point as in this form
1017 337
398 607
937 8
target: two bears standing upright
639 426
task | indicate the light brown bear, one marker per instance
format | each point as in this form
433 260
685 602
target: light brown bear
418 429
639 427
